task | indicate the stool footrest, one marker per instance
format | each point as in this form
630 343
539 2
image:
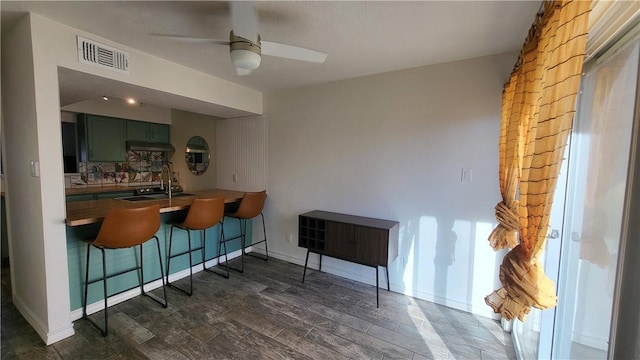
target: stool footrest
185 252
114 275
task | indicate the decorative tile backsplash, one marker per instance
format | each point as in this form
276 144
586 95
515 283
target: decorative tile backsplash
141 168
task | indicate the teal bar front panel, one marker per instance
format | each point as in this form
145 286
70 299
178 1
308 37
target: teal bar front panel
124 259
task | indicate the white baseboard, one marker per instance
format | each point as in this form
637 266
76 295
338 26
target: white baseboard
48 336
116 299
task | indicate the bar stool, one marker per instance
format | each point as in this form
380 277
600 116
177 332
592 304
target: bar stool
203 214
124 228
250 207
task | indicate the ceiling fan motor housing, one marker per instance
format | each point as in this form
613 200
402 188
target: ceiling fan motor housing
245 54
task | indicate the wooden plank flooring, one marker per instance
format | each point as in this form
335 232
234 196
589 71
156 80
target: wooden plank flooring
267 313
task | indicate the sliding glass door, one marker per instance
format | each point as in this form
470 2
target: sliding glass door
597 181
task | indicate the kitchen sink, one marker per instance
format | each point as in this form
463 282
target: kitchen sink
154 197
136 198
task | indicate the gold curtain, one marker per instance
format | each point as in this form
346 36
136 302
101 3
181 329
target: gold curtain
537 114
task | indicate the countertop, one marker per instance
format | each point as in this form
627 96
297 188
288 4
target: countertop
93 211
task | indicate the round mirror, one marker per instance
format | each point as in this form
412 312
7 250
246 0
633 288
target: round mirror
197 155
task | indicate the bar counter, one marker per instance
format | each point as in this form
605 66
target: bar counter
83 222
94 211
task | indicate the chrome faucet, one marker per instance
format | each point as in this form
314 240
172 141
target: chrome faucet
168 179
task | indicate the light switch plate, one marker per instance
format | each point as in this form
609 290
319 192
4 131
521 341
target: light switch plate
466 175
35 168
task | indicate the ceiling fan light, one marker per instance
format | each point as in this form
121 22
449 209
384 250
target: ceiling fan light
245 59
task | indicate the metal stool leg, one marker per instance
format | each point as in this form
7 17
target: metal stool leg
164 288
142 282
190 291
104 289
241 269
266 249
86 284
203 248
242 242
169 254
141 271
221 243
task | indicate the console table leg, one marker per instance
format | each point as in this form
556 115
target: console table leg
320 266
304 272
377 289
387 269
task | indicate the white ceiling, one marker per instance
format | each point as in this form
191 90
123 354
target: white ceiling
361 37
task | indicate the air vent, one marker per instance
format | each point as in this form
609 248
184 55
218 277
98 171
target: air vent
95 53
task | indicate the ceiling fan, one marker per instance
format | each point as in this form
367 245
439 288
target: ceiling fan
245 45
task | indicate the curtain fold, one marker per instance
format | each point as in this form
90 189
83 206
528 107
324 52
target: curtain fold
537 115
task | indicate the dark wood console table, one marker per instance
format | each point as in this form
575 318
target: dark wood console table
366 241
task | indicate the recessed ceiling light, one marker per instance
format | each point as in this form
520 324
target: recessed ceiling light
131 101
105 98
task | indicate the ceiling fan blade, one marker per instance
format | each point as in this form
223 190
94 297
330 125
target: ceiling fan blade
244 20
193 39
243 72
292 52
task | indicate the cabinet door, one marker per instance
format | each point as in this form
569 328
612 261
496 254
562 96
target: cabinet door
339 239
159 133
137 130
371 245
146 131
105 138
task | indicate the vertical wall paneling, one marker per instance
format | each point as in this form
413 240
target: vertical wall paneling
241 153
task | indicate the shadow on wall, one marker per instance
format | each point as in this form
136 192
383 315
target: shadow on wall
448 261
445 256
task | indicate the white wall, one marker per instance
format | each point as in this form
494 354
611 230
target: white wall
184 126
32 211
392 146
32 52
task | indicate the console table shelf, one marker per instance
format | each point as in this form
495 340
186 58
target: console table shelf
366 241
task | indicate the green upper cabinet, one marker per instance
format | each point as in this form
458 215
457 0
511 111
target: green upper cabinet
146 131
101 138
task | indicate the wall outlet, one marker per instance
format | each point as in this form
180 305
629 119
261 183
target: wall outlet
235 177
290 238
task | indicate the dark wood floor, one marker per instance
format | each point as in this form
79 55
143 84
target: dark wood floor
266 312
